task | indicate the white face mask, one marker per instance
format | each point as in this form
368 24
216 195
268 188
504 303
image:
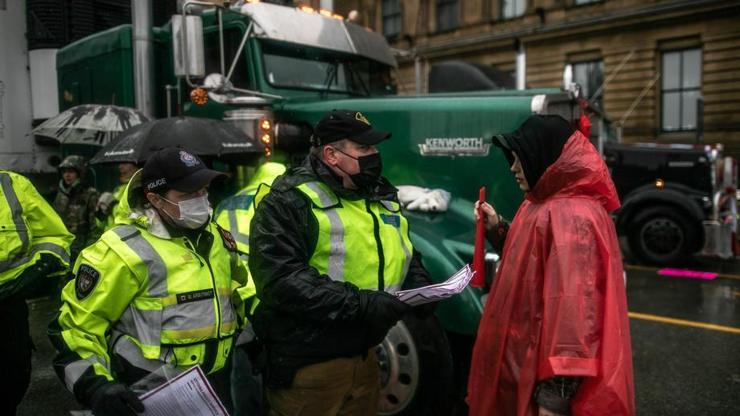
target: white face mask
194 212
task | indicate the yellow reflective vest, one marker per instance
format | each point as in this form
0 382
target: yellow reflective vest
235 213
146 299
29 226
359 241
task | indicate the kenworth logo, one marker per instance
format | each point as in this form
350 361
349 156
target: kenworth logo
455 146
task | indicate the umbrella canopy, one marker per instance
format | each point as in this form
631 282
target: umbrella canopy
202 136
90 124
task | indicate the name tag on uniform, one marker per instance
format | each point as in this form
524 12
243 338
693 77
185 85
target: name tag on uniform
393 220
194 296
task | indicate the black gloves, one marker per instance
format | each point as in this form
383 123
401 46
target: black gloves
31 278
380 311
115 399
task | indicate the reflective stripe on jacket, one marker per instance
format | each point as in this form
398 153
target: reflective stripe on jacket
29 226
235 213
360 241
152 301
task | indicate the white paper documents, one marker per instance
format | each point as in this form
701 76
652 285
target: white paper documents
452 286
187 394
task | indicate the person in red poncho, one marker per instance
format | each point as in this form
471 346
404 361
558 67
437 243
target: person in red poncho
554 335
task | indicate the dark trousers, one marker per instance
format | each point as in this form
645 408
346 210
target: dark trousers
17 352
246 386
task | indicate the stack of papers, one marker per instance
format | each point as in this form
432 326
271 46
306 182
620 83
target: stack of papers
432 293
188 393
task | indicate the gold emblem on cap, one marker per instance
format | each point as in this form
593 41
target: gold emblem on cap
360 117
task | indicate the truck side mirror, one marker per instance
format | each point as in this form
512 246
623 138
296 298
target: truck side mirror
187 46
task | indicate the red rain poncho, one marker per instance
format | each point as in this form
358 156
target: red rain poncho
558 304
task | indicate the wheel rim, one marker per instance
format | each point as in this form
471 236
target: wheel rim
399 370
661 237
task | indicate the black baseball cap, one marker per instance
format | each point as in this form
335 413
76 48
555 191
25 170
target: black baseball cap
176 168
338 125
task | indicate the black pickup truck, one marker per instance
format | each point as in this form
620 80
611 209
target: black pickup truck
677 200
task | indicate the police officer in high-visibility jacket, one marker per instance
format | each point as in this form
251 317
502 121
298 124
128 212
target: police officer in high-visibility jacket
234 214
34 244
328 247
156 294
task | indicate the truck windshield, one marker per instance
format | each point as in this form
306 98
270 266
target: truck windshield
303 68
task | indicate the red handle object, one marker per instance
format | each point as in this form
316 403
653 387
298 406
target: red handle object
479 262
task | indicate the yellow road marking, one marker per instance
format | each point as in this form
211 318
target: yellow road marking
655 269
683 322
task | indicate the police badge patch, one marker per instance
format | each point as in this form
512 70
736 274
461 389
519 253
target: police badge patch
188 159
86 279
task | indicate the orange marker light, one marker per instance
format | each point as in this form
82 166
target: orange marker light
659 183
266 138
265 124
199 96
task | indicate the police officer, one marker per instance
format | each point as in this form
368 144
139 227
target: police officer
35 245
328 247
76 203
153 295
235 214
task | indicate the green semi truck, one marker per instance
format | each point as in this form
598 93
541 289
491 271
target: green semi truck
273 71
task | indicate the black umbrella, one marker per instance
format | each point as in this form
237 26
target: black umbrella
202 136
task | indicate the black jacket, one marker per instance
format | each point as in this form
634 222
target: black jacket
304 317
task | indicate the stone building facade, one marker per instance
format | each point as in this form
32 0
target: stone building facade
665 71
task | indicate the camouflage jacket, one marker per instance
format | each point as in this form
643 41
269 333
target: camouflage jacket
76 206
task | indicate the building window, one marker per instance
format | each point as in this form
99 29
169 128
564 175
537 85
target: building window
447 14
590 75
680 89
512 8
391 10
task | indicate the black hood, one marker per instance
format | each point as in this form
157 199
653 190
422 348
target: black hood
538 143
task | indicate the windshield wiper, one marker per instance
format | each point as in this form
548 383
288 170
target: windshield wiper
331 75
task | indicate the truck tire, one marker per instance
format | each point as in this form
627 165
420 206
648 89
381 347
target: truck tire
416 371
661 235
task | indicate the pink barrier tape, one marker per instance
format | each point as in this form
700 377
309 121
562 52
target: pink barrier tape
689 274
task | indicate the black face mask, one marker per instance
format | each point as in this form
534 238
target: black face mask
371 166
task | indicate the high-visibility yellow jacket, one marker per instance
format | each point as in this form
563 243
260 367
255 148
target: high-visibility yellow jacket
314 244
29 227
143 298
359 241
235 213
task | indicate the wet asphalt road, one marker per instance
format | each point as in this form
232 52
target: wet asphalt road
681 369
682 366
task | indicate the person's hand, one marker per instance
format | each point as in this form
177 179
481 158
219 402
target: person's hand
545 412
105 200
381 311
382 308
491 217
115 399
